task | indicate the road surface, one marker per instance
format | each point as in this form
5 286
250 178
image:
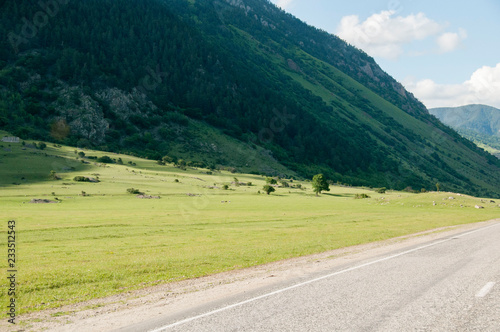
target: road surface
449 284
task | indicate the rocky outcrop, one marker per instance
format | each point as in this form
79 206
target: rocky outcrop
83 114
125 104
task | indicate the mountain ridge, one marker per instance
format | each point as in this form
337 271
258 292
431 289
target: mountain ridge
479 123
480 118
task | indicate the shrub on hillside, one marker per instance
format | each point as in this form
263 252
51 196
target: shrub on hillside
134 191
86 179
105 160
271 181
81 179
53 176
168 160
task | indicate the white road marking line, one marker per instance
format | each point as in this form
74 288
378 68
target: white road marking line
210 313
486 289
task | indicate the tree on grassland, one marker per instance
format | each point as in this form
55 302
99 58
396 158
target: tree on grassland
320 184
268 189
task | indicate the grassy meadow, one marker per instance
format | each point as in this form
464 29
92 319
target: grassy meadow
108 241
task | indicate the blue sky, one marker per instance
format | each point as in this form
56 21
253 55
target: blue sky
446 52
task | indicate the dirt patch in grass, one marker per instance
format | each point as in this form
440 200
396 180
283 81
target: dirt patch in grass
42 201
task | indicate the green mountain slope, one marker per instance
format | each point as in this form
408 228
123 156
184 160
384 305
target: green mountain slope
185 78
479 123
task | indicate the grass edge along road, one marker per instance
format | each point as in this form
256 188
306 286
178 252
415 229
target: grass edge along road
100 240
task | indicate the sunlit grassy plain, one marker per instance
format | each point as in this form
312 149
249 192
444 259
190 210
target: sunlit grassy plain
110 242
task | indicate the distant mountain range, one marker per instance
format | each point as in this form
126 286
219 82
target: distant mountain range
479 123
479 118
238 84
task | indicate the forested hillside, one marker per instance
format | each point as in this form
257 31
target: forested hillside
222 83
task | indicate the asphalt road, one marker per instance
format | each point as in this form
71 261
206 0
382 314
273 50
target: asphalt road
452 284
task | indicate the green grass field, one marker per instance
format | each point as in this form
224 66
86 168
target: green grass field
109 241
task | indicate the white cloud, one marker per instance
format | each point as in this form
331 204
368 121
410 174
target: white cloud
482 88
450 41
385 35
283 3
